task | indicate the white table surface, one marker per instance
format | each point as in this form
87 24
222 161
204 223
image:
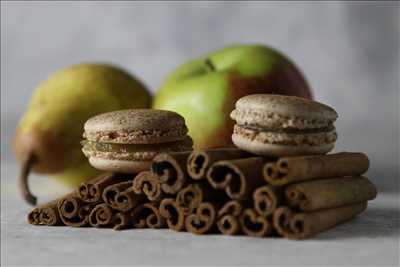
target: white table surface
370 239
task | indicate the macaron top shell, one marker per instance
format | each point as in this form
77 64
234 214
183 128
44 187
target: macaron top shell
281 112
136 126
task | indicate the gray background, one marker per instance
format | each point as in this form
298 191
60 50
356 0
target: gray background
348 51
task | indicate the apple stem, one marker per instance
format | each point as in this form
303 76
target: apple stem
27 164
210 66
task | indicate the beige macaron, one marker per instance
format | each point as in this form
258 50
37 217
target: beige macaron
277 125
127 140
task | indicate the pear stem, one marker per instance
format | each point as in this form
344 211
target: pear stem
209 65
27 164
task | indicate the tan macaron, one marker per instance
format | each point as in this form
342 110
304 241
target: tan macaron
127 140
277 125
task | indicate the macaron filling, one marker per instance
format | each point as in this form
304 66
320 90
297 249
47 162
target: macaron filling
315 137
133 151
127 148
326 129
273 120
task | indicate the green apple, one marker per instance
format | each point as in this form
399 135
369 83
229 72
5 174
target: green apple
204 90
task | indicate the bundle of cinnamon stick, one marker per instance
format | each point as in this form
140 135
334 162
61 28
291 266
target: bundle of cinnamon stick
224 190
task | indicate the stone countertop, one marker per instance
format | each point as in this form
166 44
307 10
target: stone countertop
370 239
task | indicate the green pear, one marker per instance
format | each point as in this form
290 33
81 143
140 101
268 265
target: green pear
48 136
204 90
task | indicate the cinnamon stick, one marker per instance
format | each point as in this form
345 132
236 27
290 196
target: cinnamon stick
329 193
200 160
170 210
203 220
74 212
170 170
121 221
101 215
305 224
237 177
46 214
294 169
146 183
190 197
228 218
121 196
92 190
147 215
266 199
255 225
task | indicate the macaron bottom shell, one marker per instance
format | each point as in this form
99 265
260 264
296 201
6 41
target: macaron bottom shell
180 145
123 166
278 150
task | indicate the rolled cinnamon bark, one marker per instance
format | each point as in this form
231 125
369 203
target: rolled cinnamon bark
146 183
92 190
101 215
228 218
203 220
190 197
170 170
237 177
305 224
294 169
266 199
121 196
329 193
121 221
104 216
255 225
200 160
147 215
74 212
170 210
46 214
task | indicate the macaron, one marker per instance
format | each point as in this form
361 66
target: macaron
277 125
127 140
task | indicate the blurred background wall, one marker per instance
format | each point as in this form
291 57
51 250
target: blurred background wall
348 51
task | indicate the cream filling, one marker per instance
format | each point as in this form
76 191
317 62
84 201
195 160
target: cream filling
133 151
270 120
283 138
138 156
